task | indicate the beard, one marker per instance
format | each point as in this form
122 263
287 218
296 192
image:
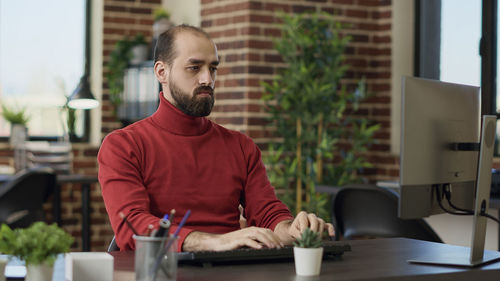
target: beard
196 105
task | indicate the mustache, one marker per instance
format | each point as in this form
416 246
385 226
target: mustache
206 89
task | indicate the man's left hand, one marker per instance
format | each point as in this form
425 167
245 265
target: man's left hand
289 231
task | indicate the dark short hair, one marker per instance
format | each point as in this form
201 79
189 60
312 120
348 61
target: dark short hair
165 47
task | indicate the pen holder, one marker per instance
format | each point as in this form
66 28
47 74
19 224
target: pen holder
155 258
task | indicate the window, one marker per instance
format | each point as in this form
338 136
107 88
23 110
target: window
41 61
465 34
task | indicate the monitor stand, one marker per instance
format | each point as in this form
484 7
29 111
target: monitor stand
476 255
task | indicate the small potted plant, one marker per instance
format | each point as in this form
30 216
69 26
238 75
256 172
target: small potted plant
37 245
18 120
308 253
161 22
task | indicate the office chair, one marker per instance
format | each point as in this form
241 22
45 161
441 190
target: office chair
22 198
372 212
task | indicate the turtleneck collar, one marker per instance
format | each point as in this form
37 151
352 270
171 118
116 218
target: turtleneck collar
171 119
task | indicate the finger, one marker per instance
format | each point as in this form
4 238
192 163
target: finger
302 221
321 226
248 242
313 222
267 237
331 230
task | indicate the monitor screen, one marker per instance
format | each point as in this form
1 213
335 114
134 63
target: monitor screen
440 127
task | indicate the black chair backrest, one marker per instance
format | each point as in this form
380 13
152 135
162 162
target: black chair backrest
372 212
22 198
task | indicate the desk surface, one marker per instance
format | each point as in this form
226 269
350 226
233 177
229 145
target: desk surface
380 259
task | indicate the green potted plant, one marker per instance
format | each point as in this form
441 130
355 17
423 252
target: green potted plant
37 245
119 60
161 22
18 119
308 253
317 141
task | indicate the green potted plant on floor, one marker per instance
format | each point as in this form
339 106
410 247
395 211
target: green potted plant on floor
308 253
319 139
37 245
18 119
119 60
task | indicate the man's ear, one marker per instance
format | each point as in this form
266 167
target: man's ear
161 72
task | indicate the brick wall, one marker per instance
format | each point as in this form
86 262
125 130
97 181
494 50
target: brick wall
243 31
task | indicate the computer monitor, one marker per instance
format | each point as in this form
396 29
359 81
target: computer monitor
446 158
435 114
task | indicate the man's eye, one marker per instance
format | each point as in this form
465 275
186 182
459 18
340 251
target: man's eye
213 69
193 67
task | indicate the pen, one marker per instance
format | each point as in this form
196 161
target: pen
164 227
162 250
124 218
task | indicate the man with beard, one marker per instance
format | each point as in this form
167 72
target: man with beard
178 159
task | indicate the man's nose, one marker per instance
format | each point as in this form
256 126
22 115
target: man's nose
205 78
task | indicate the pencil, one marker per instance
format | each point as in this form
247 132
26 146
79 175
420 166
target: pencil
124 218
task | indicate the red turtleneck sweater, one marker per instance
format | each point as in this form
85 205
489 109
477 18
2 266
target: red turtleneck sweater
174 161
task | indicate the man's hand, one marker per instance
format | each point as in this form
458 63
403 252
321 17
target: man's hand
289 231
253 237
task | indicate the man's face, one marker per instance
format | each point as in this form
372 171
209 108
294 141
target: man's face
191 77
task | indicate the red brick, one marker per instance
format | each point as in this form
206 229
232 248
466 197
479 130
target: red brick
144 11
250 30
303 8
381 112
260 69
230 95
112 8
347 2
381 15
261 18
259 44
276 7
356 13
118 20
206 23
273 58
119 31
380 87
272 32
359 38
382 39
374 3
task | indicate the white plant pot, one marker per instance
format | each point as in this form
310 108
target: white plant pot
161 26
18 134
3 263
39 272
308 261
139 54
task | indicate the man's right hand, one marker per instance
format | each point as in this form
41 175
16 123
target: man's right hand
253 237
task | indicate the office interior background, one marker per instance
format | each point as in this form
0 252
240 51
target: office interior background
382 50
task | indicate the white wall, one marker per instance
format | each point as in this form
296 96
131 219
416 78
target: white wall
185 11
96 34
403 12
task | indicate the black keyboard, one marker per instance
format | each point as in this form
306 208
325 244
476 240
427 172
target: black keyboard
331 250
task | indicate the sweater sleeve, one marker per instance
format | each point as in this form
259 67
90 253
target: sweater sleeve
123 189
262 207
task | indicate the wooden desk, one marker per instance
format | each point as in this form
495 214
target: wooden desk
86 182
379 259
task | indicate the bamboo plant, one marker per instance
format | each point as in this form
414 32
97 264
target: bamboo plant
318 143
